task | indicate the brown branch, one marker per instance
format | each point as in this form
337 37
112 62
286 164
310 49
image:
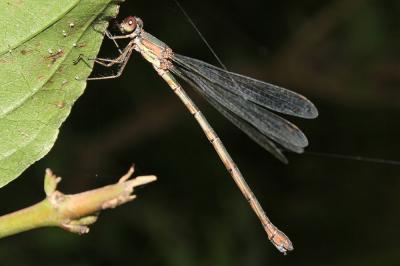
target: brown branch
71 212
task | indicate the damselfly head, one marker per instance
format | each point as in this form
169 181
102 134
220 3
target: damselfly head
130 24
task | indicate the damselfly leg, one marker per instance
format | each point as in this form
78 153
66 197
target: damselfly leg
121 60
111 37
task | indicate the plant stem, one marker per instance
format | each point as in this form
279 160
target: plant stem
71 212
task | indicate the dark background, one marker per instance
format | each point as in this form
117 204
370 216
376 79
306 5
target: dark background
343 55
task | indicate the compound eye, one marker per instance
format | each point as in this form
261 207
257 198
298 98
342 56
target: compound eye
128 25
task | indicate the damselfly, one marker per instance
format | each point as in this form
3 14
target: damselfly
246 102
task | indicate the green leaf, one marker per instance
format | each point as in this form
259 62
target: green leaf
39 83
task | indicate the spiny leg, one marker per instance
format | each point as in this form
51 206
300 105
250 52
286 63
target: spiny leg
102 61
107 62
124 61
110 36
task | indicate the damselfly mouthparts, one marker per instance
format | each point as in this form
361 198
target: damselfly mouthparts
246 102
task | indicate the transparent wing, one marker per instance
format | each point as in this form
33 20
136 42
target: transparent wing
257 122
251 131
264 94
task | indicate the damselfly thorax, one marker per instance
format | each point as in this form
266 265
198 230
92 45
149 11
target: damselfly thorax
153 50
